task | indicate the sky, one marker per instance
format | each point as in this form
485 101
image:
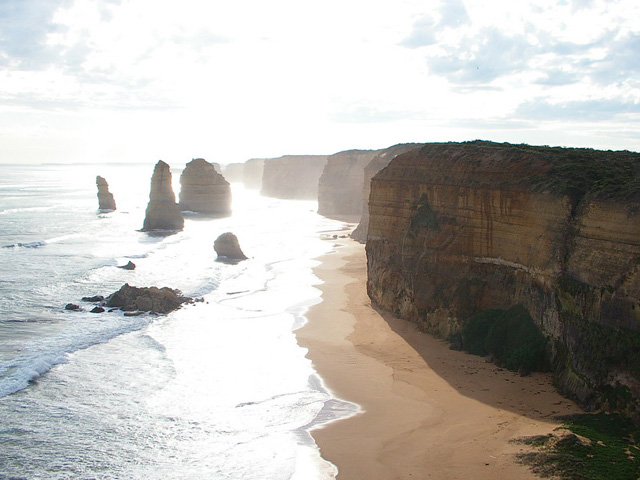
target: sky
144 80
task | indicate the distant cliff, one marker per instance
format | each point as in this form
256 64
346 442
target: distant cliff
340 185
292 176
234 172
203 189
252 175
377 163
458 231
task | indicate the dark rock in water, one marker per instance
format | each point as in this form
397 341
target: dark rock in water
148 299
94 299
72 306
162 211
144 303
128 266
133 314
97 310
204 190
227 246
105 198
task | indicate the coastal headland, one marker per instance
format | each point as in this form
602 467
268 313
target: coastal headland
426 411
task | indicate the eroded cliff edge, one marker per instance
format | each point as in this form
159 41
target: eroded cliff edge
458 229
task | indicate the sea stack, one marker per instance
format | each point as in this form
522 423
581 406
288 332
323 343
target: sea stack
105 198
228 248
204 190
162 211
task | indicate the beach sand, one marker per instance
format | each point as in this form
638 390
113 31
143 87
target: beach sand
426 411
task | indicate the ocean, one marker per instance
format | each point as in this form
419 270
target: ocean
218 389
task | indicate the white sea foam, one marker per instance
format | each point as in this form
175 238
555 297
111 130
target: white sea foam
219 389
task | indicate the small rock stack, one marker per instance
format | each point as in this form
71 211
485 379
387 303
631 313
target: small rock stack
105 198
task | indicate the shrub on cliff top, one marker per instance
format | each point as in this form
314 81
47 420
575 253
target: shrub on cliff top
577 172
510 336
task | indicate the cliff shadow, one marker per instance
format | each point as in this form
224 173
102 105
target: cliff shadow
533 396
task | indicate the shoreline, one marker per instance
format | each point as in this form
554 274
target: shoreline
425 411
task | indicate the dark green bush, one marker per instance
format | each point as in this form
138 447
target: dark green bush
510 336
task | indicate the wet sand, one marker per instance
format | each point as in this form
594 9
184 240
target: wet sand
427 411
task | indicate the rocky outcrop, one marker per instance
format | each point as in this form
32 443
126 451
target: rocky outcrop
376 164
253 170
293 176
105 197
146 299
162 212
228 248
204 190
340 185
234 172
459 229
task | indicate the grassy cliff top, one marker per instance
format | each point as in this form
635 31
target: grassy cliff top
575 172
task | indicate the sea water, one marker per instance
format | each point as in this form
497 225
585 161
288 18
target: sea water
215 390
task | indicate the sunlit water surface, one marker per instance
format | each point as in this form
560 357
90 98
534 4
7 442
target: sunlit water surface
219 389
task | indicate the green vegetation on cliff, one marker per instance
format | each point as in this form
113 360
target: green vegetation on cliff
576 172
510 336
596 447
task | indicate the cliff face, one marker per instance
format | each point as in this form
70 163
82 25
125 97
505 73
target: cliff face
340 185
162 211
293 176
105 197
457 229
234 172
377 163
252 175
204 190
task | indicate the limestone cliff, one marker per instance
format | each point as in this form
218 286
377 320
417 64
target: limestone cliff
234 172
162 211
377 163
105 197
252 175
458 229
293 176
204 190
340 185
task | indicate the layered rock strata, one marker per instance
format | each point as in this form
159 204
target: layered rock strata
340 185
105 197
457 229
162 211
293 176
203 189
376 164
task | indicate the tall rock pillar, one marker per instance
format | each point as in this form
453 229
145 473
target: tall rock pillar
105 197
162 211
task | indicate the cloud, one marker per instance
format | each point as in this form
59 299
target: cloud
487 56
597 110
24 26
542 43
425 31
621 62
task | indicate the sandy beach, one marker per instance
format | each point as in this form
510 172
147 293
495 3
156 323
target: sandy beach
427 411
